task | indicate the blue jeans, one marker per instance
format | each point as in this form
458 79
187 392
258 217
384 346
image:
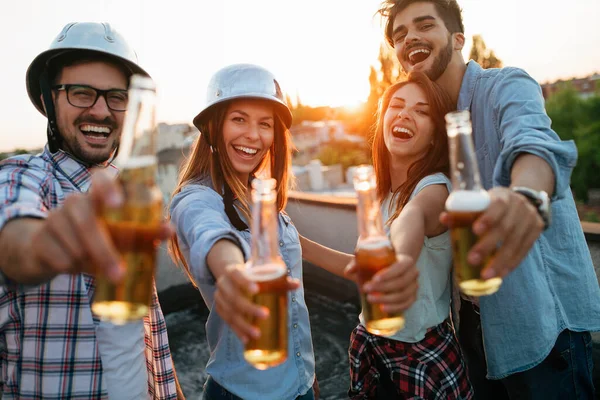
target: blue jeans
564 375
214 391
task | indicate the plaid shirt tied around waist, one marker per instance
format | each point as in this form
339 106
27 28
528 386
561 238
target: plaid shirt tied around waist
48 346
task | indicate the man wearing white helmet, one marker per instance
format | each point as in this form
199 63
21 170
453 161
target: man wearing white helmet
50 241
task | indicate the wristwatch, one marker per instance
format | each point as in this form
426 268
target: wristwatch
540 200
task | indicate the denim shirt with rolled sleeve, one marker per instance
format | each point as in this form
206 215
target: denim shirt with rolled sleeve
555 286
198 215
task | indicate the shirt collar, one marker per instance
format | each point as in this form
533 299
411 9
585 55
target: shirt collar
77 173
467 88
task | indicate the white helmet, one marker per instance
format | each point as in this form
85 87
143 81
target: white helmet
244 81
91 36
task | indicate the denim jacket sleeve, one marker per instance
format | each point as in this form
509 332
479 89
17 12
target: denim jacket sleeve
524 127
198 214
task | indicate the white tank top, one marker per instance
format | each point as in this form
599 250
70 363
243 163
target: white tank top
122 350
432 305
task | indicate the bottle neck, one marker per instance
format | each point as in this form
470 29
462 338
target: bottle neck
463 162
264 231
370 223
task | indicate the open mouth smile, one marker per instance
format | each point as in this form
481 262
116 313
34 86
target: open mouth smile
417 55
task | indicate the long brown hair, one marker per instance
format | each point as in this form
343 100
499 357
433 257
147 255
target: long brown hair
435 160
203 162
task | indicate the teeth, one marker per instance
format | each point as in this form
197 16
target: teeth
417 51
398 129
96 129
246 150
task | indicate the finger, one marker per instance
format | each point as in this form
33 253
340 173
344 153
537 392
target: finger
501 231
515 247
226 314
396 299
105 190
444 218
238 277
60 230
493 215
394 284
351 268
166 231
234 298
93 237
401 266
292 283
244 327
496 233
52 256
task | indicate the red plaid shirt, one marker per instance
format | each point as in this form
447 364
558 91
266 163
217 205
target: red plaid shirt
48 346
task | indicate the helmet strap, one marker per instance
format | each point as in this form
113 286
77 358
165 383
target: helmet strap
54 138
230 210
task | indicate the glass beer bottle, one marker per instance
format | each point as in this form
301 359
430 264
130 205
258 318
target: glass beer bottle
467 201
268 270
373 252
133 226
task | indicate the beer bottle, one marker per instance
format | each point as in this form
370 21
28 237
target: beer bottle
133 226
268 270
374 251
467 201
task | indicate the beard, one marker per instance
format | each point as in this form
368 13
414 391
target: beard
440 62
87 156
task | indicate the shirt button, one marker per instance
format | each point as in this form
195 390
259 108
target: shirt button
295 326
281 243
298 354
293 299
289 271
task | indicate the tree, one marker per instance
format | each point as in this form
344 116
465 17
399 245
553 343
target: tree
578 119
482 55
379 80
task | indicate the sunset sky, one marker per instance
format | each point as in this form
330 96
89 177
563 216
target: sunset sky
319 49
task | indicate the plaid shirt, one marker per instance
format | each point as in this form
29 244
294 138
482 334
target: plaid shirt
48 345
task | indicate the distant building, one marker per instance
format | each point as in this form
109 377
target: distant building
174 143
586 87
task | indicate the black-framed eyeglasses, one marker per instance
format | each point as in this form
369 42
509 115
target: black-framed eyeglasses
84 96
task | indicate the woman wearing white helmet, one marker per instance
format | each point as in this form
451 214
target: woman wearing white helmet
244 132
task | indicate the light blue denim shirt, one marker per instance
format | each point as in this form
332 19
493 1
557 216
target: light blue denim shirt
200 220
555 287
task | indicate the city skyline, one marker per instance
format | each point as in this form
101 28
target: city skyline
320 51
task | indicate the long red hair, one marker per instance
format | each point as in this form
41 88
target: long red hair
435 160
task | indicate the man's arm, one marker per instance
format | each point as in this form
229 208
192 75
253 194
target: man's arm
69 240
16 259
532 156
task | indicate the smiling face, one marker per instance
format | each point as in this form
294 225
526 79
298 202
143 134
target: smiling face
421 40
408 129
90 134
248 133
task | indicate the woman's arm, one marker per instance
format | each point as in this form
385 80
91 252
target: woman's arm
329 259
419 218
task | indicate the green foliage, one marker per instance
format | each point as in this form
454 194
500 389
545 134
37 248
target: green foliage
15 152
482 55
574 118
345 153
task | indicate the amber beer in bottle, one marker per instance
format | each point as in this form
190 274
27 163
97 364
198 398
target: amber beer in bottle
133 226
373 252
268 270
467 201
